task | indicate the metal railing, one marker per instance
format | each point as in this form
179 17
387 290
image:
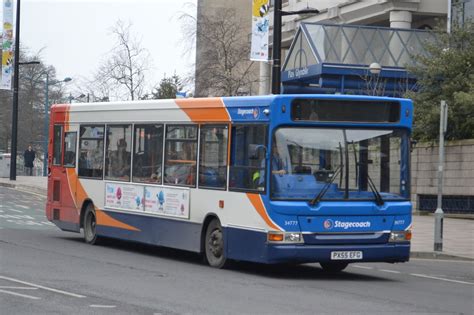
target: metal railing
363 45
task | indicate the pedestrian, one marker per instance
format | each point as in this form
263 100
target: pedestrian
29 157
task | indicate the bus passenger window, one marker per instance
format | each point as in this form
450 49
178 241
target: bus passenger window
118 152
91 151
248 163
70 139
57 151
148 153
213 156
180 155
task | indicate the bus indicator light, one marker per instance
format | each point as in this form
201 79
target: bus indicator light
221 204
275 237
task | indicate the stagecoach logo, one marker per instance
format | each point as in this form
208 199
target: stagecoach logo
328 224
255 112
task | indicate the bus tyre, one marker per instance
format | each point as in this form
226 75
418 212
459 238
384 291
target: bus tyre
90 236
334 267
214 245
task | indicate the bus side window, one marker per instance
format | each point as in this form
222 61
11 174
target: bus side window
148 153
91 151
213 156
70 141
248 163
118 145
180 155
57 146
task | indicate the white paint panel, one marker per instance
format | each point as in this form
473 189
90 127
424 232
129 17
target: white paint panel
136 112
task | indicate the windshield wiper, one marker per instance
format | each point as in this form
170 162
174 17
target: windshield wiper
325 188
378 198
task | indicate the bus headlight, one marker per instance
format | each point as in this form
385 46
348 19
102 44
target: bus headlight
400 236
285 237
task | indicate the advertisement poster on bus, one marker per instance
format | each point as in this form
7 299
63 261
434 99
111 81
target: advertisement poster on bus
167 201
123 196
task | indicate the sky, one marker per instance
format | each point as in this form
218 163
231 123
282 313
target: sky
75 35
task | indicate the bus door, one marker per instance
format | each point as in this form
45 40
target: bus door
61 190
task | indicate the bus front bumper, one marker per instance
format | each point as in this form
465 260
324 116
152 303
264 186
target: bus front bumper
390 252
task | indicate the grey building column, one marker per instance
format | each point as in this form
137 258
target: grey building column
264 82
400 19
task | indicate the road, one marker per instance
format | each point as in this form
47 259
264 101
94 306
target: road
47 271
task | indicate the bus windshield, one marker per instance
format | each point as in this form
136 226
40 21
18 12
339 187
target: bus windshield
339 164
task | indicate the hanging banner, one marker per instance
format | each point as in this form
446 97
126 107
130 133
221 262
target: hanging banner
7 46
260 27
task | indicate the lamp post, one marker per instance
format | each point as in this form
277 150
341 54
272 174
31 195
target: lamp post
277 15
15 95
46 119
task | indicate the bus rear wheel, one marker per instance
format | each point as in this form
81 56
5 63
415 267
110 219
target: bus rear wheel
89 224
214 247
334 267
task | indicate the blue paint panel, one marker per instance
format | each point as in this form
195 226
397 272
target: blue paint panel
248 109
252 246
245 244
67 226
321 253
346 224
160 231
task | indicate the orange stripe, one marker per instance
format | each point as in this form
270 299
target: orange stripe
106 220
258 205
204 109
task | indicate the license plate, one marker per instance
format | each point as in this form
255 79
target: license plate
346 255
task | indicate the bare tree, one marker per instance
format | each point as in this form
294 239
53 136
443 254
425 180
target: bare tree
122 74
31 109
223 66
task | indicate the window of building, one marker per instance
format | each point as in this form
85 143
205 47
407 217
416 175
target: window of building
180 155
70 141
118 150
148 153
91 151
57 138
213 156
248 163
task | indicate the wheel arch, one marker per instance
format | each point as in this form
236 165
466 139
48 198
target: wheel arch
209 217
85 203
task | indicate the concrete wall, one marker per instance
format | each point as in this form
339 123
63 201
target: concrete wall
458 174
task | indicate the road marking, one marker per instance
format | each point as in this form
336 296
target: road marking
18 288
43 287
102 306
362 267
389 271
442 279
21 295
14 210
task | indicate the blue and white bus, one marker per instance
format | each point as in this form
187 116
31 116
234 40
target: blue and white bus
268 179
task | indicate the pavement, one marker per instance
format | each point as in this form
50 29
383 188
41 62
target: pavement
458 233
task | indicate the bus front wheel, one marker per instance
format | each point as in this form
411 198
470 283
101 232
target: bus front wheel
214 245
90 235
334 266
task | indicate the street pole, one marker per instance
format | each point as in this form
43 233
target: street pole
46 126
277 15
276 71
15 95
439 214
